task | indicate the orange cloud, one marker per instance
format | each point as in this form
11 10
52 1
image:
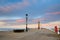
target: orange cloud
20 20
53 13
51 24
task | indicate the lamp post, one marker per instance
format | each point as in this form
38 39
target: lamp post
26 22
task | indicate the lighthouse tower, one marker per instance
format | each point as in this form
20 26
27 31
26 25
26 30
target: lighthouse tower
38 24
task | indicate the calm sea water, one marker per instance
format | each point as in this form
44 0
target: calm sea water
9 29
6 29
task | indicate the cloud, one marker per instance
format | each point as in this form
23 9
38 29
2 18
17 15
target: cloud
34 1
51 24
10 18
53 8
48 17
18 5
2 23
42 20
20 20
53 13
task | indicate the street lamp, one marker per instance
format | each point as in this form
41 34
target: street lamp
26 22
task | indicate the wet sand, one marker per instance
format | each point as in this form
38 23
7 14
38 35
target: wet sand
32 34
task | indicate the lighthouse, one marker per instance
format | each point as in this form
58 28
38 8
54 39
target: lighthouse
38 24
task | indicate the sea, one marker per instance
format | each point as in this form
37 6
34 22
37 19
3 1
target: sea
9 29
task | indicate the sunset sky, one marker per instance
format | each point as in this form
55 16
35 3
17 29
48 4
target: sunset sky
47 11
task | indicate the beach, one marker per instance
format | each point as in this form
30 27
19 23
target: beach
32 34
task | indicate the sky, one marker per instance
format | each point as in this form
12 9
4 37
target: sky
47 11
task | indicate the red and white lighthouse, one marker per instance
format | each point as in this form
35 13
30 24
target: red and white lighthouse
56 29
